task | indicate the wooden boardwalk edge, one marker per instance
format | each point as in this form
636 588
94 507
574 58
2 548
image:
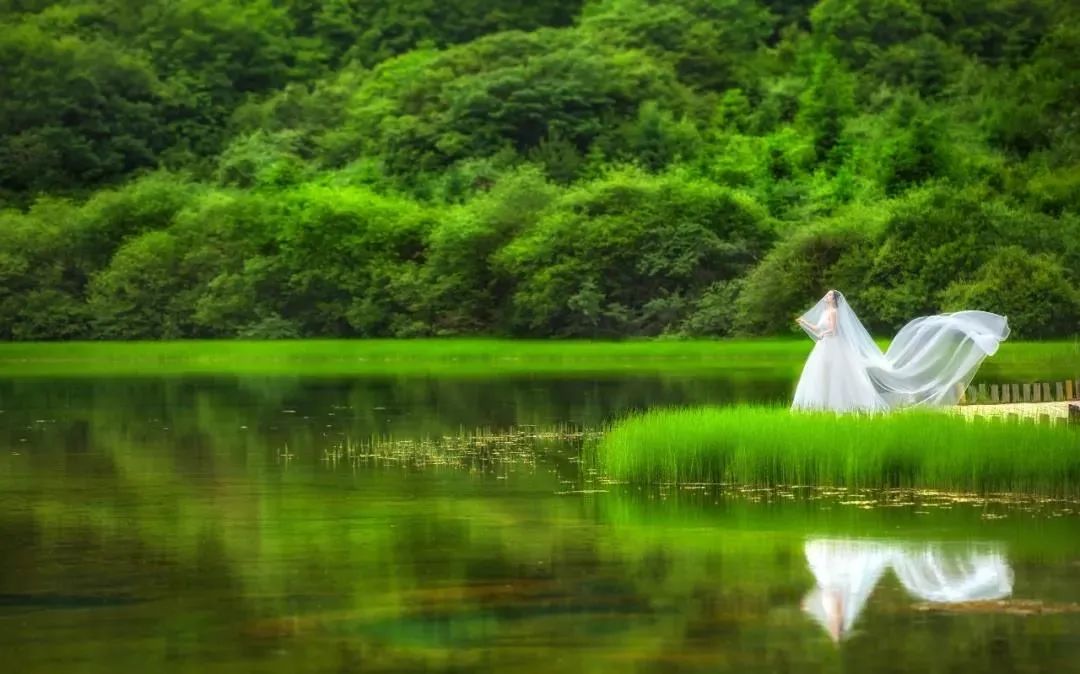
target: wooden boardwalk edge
1053 412
1067 390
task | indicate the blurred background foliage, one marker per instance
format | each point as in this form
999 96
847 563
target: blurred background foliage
585 168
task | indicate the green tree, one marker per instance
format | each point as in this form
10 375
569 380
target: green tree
465 291
705 42
859 30
73 113
146 291
827 102
1033 291
424 112
800 269
40 293
612 256
918 151
372 31
932 239
350 258
277 168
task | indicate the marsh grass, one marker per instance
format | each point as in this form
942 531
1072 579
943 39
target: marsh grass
768 446
738 358
481 449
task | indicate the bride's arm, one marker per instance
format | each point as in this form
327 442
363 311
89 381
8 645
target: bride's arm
809 327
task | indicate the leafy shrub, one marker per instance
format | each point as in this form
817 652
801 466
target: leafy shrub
715 313
606 250
464 290
798 271
1033 291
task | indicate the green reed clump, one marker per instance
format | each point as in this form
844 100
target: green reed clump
756 445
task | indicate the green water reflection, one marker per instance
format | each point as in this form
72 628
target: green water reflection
195 525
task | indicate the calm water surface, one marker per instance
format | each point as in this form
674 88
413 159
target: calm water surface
248 524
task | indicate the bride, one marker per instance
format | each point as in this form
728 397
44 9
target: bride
929 362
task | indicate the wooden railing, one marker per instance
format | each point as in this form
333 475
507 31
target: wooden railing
1035 392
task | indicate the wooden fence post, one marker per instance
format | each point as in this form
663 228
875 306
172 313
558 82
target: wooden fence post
1027 393
1036 393
1069 390
1059 391
995 394
1046 392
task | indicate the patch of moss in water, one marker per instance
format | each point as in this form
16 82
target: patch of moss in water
480 449
766 446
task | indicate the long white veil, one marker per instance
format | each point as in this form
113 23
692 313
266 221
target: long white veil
929 362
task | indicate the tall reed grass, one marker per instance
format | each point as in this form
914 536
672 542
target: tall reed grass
768 446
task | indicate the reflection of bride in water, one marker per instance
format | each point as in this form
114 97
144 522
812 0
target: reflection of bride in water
848 570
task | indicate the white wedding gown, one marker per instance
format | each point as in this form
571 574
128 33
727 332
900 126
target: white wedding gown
832 379
930 361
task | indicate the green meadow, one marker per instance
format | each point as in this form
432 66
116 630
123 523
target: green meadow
737 359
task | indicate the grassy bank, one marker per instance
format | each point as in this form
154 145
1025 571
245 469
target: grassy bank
772 446
752 359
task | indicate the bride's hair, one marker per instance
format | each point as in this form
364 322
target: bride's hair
834 296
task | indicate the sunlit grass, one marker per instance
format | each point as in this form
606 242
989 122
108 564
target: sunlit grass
749 358
771 446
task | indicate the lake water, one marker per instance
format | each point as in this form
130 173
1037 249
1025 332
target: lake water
351 525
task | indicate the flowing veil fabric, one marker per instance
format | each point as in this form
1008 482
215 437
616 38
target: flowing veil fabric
929 362
936 574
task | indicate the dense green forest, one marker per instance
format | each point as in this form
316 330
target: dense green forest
589 168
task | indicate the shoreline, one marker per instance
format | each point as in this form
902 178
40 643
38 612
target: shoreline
759 358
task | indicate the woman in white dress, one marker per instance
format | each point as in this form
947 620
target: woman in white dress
930 361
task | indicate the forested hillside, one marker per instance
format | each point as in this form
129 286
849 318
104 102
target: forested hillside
278 168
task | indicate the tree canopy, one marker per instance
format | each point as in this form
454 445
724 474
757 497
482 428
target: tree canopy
258 168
